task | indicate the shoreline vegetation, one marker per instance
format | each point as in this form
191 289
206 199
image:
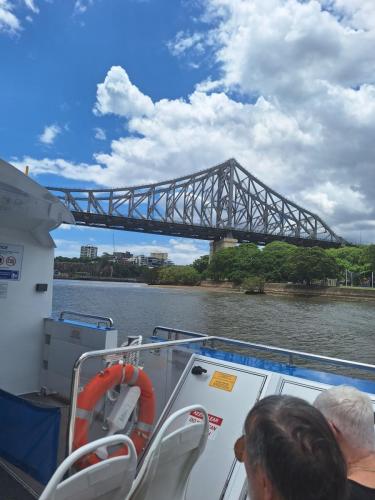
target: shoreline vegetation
278 268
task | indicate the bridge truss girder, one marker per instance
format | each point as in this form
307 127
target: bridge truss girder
222 200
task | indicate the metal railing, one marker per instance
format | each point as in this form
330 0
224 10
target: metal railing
290 353
101 319
193 338
175 332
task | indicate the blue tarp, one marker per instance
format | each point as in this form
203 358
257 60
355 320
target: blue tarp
29 436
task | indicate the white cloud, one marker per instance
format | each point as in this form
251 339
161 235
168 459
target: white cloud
358 14
286 48
100 134
61 167
81 6
119 96
8 20
186 41
328 200
49 134
30 4
185 136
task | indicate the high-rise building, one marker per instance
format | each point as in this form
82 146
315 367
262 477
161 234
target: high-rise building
141 260
159 255
89 251
122 256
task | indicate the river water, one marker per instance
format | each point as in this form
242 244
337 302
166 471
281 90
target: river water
332 328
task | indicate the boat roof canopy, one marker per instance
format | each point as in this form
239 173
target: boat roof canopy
28 206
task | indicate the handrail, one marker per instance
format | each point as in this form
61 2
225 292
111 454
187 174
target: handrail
91 316
278 350
176 330
120 351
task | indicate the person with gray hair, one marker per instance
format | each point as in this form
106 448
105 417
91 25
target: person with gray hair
351 416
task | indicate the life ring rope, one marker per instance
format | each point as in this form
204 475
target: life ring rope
95 389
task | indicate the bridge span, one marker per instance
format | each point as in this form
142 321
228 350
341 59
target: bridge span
221 203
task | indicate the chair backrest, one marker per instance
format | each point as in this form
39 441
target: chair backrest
166 469
109 479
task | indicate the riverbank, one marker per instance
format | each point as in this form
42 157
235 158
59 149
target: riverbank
347 293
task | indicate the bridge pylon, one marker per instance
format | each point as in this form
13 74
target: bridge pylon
226 241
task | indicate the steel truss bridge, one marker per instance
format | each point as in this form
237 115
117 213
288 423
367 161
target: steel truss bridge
222 201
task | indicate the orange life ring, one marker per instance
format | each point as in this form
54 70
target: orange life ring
96 389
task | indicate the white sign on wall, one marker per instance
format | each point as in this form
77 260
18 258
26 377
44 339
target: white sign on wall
10 261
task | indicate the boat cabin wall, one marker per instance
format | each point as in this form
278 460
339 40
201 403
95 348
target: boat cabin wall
23 306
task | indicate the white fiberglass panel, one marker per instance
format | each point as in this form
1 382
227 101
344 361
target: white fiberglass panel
306 389
227 391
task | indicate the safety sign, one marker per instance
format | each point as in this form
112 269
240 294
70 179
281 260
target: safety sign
223 381
214 423
10 261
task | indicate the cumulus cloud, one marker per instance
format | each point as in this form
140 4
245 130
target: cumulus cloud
358 14
303 115
49 134
59 166
182 136
8 20
117 95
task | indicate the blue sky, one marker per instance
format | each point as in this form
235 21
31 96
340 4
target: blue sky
51 69
120 92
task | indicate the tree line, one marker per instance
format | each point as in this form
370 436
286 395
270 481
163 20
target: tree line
277 262
100 267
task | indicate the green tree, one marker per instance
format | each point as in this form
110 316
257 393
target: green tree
370 257
248 259
274 261
222 264
308 264
201 264
235 263
178 275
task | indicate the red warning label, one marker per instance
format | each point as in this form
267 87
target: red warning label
214 422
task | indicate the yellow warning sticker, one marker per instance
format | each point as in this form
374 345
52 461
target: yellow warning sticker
223 381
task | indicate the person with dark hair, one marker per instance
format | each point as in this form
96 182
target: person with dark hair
290 452
350 414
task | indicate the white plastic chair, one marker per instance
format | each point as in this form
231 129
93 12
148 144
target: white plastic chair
166 469
109 479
